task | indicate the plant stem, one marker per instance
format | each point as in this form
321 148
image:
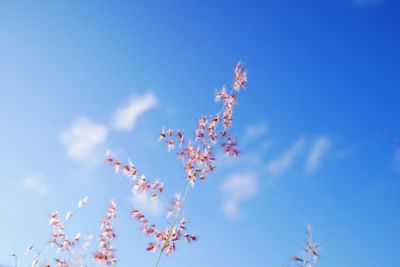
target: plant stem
178 214
158 258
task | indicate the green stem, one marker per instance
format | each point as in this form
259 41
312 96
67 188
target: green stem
178 214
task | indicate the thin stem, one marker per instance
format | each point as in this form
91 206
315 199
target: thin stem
16 260
178 214
41 251
159 258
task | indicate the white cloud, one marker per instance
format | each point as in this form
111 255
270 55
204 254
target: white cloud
319 149
34 183
83 140
143 202
283 162
255 130
126 116
236 188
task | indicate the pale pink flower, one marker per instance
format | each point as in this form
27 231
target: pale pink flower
240 77
105 253
140 184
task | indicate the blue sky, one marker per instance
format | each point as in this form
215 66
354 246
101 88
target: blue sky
323 83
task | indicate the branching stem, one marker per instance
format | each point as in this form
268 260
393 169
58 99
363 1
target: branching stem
177 216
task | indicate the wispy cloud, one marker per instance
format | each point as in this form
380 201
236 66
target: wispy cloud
284 161
243 183
126 116
34 183
144 203
84 139
237 188
319 149
255 130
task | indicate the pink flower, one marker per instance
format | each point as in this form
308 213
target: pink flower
240 77
105 253
141 184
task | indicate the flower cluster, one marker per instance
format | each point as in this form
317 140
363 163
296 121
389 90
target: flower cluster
105 254
164 239
172 138
140 184
197 155
310 257
58 237
240 77
176 205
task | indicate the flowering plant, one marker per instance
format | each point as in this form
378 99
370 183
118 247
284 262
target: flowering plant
197 155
